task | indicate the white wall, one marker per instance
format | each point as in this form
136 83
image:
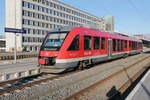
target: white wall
13 7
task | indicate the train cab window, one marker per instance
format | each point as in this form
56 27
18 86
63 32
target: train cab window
114 45
87 42
96 42
103 43
75 44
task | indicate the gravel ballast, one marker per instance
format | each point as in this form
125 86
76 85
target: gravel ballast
63 87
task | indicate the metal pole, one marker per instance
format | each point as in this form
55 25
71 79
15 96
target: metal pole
15 51
15 44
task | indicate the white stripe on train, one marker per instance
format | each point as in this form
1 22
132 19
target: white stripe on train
91 57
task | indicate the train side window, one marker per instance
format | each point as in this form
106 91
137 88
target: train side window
96 42
126 44
119 45
129 44
122 45
114 45
103 43
140 45
75 44
132 45
87 42
136 45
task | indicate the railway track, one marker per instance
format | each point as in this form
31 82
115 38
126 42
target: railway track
15 84
8 86
12 85
18 84
83 94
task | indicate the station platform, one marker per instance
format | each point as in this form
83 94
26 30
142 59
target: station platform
18 70
142 89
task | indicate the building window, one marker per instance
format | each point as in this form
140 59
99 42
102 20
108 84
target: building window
43 9
96 42
87 42
47 3
29 5
2 44
51 4
43 17
39 8
23 40
33 15
50 11
23 4
44 2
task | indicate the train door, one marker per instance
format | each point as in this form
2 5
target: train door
109 47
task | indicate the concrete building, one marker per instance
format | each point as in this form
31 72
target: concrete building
109 23
40 16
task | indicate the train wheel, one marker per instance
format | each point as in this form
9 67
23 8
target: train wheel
92 63
82 65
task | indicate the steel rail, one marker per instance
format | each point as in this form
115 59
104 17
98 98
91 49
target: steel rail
101 82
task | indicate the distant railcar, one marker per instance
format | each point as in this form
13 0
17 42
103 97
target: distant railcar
79 47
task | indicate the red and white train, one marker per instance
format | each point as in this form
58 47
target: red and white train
75 47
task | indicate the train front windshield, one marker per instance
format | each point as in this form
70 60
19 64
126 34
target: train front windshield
54 41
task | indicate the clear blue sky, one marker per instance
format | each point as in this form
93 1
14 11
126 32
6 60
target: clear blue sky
131 16
2 16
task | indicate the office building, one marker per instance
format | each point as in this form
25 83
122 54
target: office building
109 23
38 17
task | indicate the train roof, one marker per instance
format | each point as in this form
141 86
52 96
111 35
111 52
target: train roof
94 31
107 34
66 28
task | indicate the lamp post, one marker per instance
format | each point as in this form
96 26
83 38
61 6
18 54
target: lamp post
15 44
15 50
